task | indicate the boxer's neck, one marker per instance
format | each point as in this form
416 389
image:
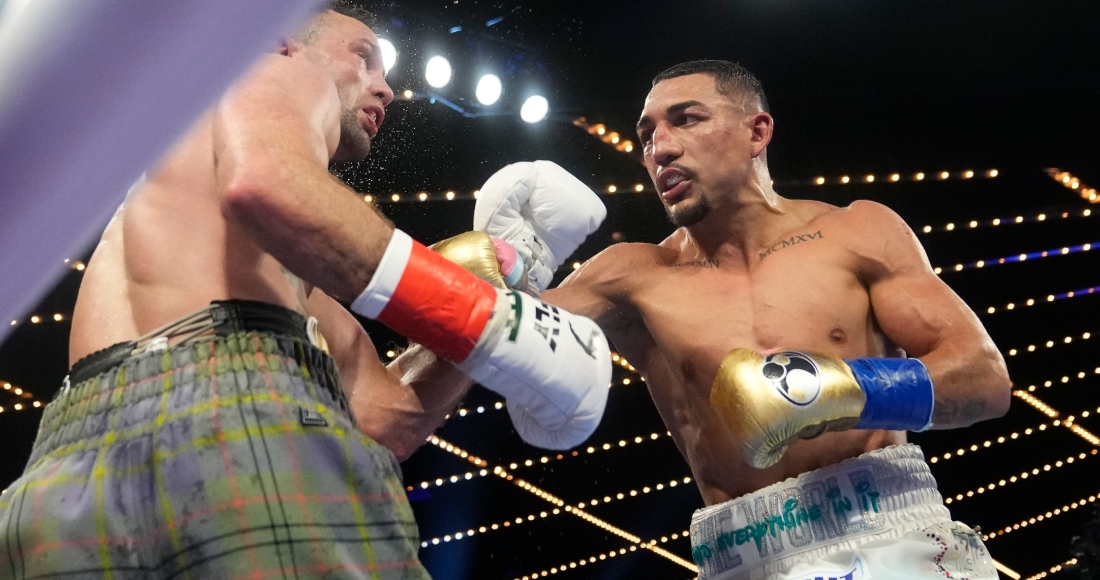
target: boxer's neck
746 221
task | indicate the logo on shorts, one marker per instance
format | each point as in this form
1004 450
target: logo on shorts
311 418
793 375
854 572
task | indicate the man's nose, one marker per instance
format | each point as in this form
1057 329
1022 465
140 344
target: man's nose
382 90
665 147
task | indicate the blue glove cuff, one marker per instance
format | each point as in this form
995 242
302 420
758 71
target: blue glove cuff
899 393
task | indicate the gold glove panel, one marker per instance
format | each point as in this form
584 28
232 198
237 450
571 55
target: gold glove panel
767 402
474 251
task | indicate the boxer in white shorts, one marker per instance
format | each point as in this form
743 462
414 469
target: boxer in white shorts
788 345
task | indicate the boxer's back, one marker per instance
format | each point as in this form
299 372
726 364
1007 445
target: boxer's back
169 251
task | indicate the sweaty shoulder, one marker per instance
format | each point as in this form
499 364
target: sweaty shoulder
283 89
879 236
617 266
872 221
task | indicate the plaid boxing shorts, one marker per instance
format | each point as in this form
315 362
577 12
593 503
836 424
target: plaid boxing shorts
228 456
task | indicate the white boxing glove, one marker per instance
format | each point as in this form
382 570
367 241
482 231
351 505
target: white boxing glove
552 367
541 210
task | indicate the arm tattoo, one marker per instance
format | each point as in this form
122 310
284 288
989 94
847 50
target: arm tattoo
967 411
299 288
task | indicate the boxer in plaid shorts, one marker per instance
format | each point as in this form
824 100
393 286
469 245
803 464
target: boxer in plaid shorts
207 428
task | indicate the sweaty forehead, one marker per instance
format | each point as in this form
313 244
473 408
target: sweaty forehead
698 88
701 89
346 28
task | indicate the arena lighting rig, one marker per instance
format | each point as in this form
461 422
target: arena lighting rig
438 73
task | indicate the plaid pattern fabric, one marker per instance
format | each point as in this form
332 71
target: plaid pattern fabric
228 457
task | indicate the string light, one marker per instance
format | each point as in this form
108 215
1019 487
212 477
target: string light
531 462
1019 219
1013 479
1048 344
22 393
1065 178
1063 379
560 504
1021 257
1047 298
1002 439
601 132
455 195
1069 423
1039 518
896 177
600 557
519 520
1052 570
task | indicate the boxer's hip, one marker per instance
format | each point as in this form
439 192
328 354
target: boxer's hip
886 493
111 389
229 452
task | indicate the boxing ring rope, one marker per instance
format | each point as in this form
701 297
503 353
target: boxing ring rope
1049 344
1019 219
1063 251
560 504
484 528
1015 435
1050 298
1053 569
1067 179
1023 475
83 84
1008 529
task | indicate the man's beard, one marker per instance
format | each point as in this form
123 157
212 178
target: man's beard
354 141
690 215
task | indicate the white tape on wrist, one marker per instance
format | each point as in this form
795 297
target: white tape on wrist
391 267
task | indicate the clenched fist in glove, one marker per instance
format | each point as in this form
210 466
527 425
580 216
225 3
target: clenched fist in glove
543 212
770 401
551 366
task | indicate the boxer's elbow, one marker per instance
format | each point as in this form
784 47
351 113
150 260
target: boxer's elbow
991 378
400 444
1000 386
253 190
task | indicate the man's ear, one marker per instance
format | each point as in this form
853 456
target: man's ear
288 46
761 124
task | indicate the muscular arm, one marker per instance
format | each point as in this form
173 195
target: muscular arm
600 289
273 137
401 405
923 316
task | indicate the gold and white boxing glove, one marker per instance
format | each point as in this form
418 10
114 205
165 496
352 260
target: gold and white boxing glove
770 401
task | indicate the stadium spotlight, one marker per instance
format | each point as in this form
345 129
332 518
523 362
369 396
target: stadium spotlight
534 109
437 72
389 54
488 89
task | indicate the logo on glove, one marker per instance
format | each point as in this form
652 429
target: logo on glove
793 375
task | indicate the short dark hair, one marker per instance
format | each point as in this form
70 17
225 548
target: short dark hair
730 78
351 9
348 8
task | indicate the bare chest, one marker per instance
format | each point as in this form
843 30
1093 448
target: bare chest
793 295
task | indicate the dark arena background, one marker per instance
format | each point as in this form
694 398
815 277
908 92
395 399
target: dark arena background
976 121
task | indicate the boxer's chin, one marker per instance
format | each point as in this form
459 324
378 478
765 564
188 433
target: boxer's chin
354 141
688 212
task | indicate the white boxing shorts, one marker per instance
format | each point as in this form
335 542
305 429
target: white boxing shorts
876 516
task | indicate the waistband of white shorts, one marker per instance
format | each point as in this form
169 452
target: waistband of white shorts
883 493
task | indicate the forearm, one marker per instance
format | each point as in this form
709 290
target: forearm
970 381
311 223
424 391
